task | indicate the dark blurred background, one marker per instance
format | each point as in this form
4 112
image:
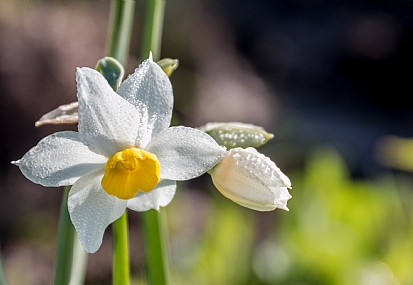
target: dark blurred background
312 72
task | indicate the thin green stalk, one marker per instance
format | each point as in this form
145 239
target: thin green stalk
64 251
120 27
79 262
71 258
119 33
152 33
155 255
153 230
120 251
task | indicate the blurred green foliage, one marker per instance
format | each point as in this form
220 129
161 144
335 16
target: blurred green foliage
338 231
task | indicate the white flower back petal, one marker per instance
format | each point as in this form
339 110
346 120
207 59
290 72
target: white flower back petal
159 197
150 91
185 153
107 122
252 180
59 159
91 209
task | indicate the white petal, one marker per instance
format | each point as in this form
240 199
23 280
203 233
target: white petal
107 122
185 153
91 209
252 180
159 197
150 91
59 159
283 197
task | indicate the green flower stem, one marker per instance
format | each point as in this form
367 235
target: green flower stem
65 237
152 33
120 251
119 33
79 262
71 258
120 28
155 255
153 230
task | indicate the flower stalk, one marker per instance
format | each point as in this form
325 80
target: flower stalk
152 33
121 251
65 238
120 26
153 230
155 254
79 262
119 31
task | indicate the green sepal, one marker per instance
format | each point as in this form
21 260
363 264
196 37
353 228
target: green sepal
168 65
234 134
112 70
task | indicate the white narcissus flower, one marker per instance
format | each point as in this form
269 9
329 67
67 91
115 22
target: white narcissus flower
252 180
124 154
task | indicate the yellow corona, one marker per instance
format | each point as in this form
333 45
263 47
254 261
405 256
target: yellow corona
130 171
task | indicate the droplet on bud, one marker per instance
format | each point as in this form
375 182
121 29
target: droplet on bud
237 134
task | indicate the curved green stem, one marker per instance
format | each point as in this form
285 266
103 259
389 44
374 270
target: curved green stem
152 33
70 261
120 27
119 34
153 230
79 262
155 255
121 251
65 237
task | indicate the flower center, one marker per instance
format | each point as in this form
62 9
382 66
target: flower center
130 171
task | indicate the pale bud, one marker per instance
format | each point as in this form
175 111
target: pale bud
236 134
252 180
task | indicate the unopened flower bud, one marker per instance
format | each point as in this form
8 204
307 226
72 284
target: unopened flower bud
168 65
252 180
234 134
